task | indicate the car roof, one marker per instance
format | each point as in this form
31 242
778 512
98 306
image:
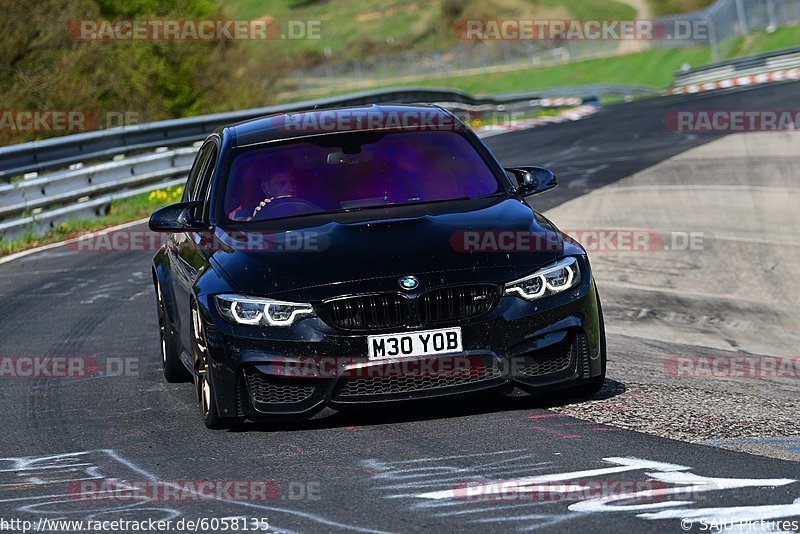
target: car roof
314 122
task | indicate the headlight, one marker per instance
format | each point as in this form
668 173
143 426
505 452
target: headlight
552 279
256 311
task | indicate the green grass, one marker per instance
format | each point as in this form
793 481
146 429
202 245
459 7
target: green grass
761 41
350 30
120 211
653 68
591 9
671 7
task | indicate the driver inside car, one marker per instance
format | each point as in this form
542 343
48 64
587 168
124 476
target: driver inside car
260 186
279 183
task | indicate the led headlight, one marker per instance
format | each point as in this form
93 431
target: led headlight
256 311
554 278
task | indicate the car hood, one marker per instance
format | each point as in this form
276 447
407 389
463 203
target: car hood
444 243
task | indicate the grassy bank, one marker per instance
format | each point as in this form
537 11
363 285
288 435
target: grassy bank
652 68
661 8
353 30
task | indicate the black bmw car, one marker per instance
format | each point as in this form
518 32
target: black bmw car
363 255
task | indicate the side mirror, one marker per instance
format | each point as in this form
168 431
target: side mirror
532 180
180 217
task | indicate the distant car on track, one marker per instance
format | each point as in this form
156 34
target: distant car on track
320 262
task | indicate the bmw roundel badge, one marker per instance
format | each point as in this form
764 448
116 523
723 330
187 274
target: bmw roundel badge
409 282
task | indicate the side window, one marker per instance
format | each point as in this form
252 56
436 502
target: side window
194 173
204 180
204 183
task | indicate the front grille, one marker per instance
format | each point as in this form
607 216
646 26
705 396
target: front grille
390 310
265 389
386 310
453 303
554 359
434 380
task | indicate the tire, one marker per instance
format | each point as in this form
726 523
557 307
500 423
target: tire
594 385
203 382
208 405
174 370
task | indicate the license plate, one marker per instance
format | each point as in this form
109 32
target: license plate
424 343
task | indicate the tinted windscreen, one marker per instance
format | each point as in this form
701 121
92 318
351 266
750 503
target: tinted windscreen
354 171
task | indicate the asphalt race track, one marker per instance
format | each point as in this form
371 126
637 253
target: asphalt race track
393 469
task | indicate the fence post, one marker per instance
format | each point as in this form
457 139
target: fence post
712 40
773 23
742 16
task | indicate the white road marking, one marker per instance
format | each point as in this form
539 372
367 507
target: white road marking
50 246
624 464
71 462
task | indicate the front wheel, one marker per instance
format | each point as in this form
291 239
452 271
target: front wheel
594 385
208 406
203 382
174 370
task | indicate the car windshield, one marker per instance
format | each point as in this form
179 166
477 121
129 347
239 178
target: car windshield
351 171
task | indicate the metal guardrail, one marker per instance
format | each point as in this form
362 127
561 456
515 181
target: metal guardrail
71 185
787 58
49 194
97 207
38 156
44 155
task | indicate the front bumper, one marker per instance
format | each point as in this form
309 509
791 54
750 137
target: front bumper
538 346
